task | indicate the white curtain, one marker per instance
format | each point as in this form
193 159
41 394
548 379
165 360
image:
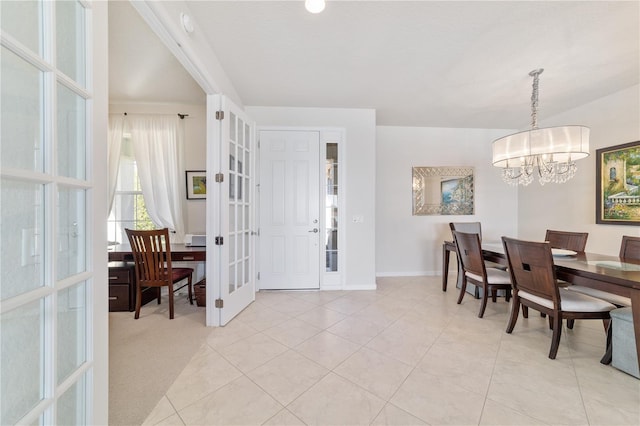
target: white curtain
116 131
157 147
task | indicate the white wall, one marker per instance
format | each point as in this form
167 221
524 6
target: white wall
195 149
360 134
412 245
613 120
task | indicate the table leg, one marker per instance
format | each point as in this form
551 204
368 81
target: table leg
445 266
635 311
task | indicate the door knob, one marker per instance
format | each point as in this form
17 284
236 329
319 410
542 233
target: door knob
314 230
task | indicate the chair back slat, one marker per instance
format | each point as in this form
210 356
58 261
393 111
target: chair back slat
576 241
531 268
630 248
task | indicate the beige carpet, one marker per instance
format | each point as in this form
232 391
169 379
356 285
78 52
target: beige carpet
148 354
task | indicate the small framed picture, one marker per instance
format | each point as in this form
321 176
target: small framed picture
196 184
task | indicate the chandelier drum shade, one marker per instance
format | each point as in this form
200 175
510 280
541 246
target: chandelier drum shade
549 153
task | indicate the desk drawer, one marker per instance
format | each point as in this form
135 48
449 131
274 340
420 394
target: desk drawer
119 276
186 257
118 297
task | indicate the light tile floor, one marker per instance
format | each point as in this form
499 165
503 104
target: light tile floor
405 354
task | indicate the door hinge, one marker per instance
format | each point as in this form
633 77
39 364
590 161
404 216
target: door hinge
219 115
219 241
219 177
219 303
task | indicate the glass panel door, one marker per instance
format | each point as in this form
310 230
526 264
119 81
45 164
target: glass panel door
45 282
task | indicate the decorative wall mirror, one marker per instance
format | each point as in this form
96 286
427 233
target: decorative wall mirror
442 191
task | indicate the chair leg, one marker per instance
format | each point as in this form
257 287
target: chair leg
507 295
570 323
515 310
463 290
190 291
138 300
608 355
525 311
494 295
483 303
170 301
555 339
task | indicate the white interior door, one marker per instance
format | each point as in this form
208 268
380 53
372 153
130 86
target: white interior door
289 210
230 241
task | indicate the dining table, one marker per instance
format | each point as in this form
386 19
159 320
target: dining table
603 272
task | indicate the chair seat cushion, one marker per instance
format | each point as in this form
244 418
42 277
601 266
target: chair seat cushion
609 297
180 273
571 302
494 276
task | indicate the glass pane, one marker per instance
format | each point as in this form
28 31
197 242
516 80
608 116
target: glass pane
240 269
232 127
70 39
72 405
332 152
232 217
246 217
71 232
21 20
246 244
72 323
247 136
246 272
332 261
21 124
71 134
232 278
21 205
21 361
240 132
232 248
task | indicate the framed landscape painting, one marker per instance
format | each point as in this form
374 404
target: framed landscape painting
617 184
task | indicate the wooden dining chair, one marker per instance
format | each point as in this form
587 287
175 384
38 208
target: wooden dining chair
534 285
475 272
152 256
629 250
576 241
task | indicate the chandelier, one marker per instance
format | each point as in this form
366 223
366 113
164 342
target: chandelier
548 153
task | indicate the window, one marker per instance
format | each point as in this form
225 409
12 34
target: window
128 210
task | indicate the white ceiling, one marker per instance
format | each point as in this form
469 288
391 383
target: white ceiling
417 63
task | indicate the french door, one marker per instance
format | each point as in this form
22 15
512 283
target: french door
290 225
230 236
48 202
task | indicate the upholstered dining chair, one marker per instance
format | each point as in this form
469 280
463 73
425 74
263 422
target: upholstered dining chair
534 285
629 250
475 271
152 256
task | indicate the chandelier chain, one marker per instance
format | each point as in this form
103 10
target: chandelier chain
534 97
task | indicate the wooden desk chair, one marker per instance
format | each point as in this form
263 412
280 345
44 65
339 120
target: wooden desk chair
476 272
576 241
534 285
152 255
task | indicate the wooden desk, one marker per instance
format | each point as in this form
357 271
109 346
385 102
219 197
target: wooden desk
122 294
179 253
